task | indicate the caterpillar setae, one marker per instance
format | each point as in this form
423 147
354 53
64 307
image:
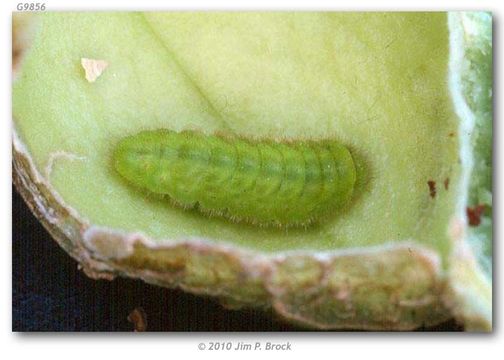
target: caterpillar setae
264 182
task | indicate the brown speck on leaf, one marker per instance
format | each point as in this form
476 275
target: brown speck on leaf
474 214
139 319
93 68
446 183
452 134
432 188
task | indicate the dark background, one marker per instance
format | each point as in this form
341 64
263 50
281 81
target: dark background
49 293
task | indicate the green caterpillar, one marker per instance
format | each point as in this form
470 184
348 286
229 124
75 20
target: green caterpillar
264 182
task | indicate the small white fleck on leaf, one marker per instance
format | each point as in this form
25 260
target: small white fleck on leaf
93 68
